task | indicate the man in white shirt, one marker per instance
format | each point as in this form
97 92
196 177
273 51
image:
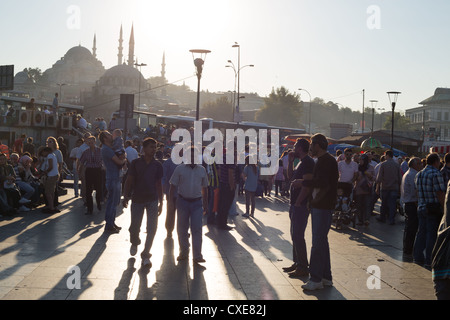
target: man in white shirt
130 151
347 169
191 181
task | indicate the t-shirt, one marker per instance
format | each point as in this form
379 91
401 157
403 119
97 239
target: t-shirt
146 175
347 171
306 166
54 171
324 183
112 169
251 182
189 181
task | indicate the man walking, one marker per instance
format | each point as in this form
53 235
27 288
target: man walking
91 159
431 196
388 186
299 212
191 183
112 164
324 194
409 198
144 180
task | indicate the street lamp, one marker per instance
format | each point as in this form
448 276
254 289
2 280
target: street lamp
199 57
236 76
309 125
60 85
373 112
140 65
381 117
393 96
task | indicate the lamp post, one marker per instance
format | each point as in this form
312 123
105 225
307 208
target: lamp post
381 117
373 113
309 122
60 86
140 65
393 96
199 57
236 76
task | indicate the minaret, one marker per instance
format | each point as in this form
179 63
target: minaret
131 48
120 55
163 67
94 48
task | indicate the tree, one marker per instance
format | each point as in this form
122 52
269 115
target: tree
34 73
401 123
220 110
281 108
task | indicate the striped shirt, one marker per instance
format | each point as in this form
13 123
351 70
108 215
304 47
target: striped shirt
92 159
428 181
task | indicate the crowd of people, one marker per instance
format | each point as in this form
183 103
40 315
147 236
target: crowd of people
142 170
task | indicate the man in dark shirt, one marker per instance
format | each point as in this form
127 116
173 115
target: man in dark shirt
298 211
144 178
323 202
227 187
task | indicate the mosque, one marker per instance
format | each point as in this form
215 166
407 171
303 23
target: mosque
82 79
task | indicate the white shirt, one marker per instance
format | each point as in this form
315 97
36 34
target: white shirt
82 123
132 154
54 171
73 154
189 181
347 170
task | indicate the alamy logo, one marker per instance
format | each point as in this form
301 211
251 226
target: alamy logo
260 149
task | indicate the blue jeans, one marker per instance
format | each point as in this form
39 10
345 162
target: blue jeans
137 214
114 191
190 214
26 189
299 221
320 265
425 237
388 205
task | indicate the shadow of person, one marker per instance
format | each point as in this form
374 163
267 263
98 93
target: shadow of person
123 288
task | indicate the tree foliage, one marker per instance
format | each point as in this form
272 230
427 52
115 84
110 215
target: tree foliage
281 108
220 110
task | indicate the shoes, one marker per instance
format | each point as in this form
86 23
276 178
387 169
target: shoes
111 230
199 260
327 283
225 227
133 250
246 215
298 274
182 257
117 227
24 201
290 269
311 285
146 263
24 209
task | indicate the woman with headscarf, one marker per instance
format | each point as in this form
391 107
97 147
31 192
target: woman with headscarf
363 187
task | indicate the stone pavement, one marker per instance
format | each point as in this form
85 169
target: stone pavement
46 256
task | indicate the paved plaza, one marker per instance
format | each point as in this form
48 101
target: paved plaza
67 256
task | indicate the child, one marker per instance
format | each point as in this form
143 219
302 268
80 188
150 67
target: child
118 145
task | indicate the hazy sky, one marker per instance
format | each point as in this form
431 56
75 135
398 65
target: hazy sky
332 48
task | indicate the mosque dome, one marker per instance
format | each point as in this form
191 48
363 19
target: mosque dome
123 71
122 75
22 77
79 54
